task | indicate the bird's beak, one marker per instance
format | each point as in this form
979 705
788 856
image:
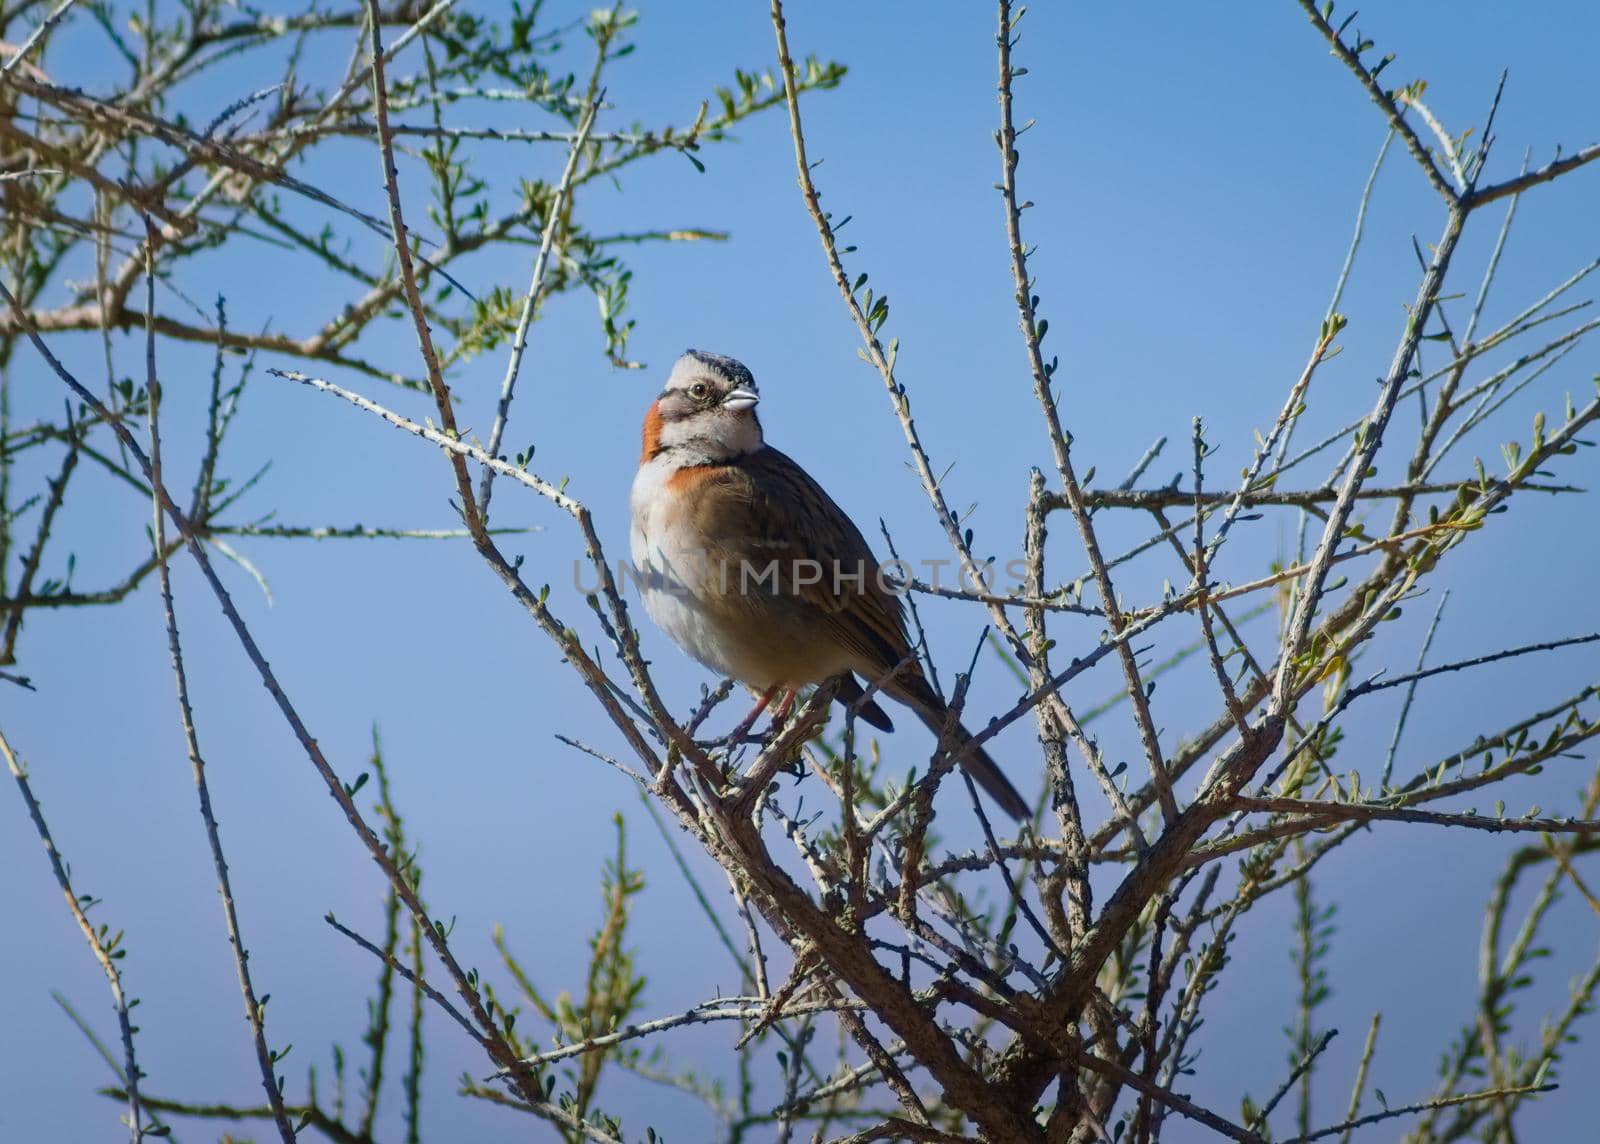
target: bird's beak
740 399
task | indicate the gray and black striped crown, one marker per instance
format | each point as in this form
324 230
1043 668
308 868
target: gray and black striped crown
726 367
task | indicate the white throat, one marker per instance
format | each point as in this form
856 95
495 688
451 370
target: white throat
728 437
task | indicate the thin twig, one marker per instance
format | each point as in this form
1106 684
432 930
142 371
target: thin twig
1408 1109
1327 812
1391 110
535 294
254 1012
18 54
1299 1070
1372 685
1552 170
1361 1076
101 943
1411 691
399 967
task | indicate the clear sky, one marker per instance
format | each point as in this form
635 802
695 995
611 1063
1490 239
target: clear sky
1196 172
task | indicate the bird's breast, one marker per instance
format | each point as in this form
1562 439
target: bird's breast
691 586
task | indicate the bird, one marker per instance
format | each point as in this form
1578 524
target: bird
757 573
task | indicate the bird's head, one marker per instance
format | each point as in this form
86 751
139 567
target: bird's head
707 411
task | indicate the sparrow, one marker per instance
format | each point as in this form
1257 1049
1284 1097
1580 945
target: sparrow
757 573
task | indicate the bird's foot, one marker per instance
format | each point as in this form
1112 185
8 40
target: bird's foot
741 735
738 737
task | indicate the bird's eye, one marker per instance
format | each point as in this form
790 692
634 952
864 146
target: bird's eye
698 391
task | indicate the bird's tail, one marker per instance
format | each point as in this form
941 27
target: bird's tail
916 694
851 692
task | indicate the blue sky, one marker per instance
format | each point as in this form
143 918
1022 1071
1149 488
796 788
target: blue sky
1196 176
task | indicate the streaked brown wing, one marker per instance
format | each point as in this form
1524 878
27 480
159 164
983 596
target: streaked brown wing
767 508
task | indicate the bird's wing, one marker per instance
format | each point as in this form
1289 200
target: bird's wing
767 508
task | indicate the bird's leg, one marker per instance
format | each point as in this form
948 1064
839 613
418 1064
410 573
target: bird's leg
782 713
736 735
